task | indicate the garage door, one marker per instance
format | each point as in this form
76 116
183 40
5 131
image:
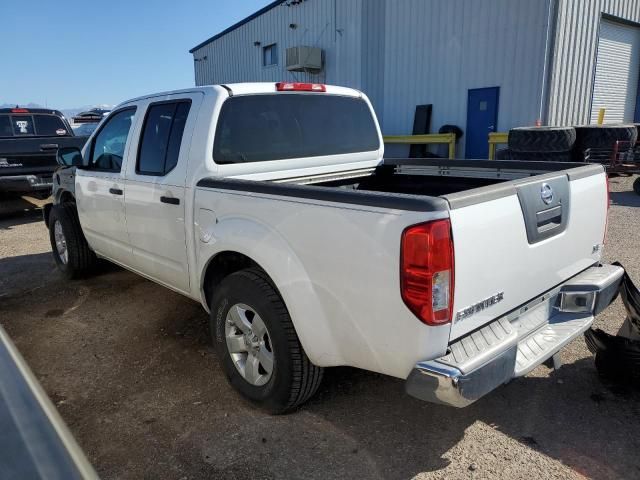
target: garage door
617 72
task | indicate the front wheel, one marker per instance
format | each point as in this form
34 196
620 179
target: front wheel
71 252
257 344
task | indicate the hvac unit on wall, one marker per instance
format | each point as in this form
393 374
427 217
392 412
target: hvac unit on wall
304 59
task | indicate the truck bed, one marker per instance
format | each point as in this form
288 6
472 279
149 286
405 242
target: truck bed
446 178
408 184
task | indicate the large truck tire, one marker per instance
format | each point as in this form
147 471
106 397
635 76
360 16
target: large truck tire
71 251
604 136
257 344
541 139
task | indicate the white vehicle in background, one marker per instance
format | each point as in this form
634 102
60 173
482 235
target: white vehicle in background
272 205
84 129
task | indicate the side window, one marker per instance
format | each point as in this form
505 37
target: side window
108 146
162 137
270 55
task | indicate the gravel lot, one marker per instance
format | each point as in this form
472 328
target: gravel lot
129 366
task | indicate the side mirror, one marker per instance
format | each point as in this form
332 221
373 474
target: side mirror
69 157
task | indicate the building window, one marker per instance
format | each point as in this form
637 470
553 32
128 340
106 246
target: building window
270 55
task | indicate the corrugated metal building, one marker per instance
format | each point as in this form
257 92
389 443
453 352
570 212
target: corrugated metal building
482 64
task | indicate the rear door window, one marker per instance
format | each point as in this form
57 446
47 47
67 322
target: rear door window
260 128
5 126
162 137
22 125
49 126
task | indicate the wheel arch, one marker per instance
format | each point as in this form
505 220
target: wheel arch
294 287
65 196
220 266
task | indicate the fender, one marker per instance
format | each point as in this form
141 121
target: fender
273 254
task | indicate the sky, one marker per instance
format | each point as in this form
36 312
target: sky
68 53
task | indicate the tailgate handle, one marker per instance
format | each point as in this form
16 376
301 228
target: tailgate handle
49 146
549 219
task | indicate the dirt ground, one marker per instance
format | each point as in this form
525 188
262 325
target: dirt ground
130 368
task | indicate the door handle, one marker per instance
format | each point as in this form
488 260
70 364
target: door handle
115 191
49 146
170 200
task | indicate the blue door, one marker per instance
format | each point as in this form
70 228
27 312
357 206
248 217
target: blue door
482 118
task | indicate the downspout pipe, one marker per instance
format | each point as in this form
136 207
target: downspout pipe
547 70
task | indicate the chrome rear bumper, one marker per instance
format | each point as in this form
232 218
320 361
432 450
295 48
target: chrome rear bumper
515 344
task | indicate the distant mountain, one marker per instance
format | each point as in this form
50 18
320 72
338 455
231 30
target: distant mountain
28 105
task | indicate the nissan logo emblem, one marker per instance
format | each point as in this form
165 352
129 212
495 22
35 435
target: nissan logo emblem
546 193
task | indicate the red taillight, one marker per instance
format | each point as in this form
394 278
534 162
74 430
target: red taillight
300 87
19 110
426 271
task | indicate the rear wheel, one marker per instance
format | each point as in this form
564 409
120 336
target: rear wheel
257 345
71 252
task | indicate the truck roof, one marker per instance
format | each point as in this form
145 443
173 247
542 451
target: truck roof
19 110
248 88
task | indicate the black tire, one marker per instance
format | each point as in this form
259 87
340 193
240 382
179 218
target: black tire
81 260
294 378
604 136
636 185
542 139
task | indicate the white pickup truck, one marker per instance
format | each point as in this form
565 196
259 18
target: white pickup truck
272 205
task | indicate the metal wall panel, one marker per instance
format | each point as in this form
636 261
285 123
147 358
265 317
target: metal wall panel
402 53
437 50
574 57
373 52
333 25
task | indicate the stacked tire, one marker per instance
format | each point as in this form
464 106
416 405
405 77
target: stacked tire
547 144
595 143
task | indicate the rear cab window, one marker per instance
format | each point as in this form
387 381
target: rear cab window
40 125
5 126
50 126
22 125
259 128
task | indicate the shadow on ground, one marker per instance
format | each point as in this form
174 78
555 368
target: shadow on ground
567 421
18 212
130 368
625 199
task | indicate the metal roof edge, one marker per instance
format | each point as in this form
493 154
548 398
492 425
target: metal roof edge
238 25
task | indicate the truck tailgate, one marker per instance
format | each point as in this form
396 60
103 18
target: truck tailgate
516 240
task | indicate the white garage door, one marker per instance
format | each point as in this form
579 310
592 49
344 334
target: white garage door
617 72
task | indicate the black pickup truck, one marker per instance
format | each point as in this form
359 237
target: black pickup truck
29 140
